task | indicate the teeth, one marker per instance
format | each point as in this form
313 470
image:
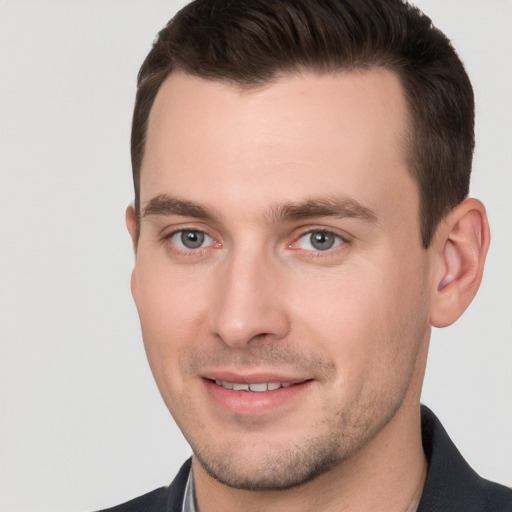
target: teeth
256 388
240 387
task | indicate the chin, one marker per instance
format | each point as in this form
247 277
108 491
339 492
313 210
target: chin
279 470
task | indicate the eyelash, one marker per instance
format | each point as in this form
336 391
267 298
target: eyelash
339 243
199 251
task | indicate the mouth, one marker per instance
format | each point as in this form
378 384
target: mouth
260 387
254 396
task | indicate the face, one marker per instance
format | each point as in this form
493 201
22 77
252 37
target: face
279 276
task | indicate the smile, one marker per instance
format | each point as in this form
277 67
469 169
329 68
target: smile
253 395
255 388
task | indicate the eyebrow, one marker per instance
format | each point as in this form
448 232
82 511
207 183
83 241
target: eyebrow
338 207
165 204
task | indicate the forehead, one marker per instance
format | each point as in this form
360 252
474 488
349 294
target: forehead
300 135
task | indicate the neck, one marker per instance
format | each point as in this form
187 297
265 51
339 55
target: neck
388 474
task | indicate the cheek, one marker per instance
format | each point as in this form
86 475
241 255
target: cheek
171 311
364 316
166 298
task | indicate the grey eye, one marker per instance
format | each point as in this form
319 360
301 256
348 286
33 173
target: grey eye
192 239
321 240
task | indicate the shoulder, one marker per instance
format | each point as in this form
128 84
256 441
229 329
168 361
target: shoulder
451 483
165 499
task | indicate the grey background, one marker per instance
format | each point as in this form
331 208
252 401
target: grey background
82 425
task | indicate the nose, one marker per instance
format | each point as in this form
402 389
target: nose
249 303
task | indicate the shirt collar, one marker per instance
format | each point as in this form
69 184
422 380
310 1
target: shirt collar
189 498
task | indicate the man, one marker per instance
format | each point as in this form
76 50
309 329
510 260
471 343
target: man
300 222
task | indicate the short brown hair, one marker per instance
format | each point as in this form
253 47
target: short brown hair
251 42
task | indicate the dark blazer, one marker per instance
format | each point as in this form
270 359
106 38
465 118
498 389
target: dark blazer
451 485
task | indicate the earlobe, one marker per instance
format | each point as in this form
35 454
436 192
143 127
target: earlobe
461 246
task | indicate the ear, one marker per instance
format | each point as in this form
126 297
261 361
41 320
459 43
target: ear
132 225
460 248
133 229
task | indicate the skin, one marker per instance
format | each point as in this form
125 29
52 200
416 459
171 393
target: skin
257 172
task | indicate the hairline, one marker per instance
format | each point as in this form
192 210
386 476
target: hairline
408 137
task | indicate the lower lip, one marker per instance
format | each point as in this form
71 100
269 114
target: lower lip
250 403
